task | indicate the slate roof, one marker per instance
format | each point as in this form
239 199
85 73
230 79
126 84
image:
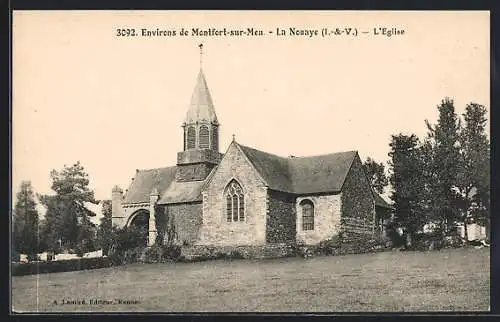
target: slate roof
162 181
322 173
298 175
273 168
302 175
180 192
146 180
201 107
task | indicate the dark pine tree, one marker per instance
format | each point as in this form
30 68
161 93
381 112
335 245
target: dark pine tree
473 180
406 181
66 215
376 174
25 221
444 141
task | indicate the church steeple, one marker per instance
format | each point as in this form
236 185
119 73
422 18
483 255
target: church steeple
201 108
201 124
201 134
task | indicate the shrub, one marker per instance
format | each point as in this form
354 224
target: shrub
235 254
453 241
133 255
153 254
33 257
83 247
431 241
379 242
396 240
19 269
15 256
171 252
127 245
330 246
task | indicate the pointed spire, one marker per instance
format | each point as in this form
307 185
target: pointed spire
201 107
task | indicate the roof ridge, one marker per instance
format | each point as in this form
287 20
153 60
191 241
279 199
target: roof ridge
322 155
298 157
156 169
249 152
272 154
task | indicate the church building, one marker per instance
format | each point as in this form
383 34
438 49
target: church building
246 197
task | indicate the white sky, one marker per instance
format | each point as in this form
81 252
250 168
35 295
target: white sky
117 104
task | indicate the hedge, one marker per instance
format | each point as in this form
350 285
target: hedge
19 269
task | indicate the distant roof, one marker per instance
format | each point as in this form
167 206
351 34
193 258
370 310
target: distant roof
201 107
302 175
380 202
146 180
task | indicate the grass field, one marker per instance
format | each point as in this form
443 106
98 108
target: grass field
448 280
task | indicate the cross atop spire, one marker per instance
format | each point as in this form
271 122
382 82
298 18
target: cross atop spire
201 55
201 107
200 127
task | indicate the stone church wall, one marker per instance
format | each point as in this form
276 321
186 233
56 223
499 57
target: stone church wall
216 231
187 220
281 217
326 219
358 205
192 172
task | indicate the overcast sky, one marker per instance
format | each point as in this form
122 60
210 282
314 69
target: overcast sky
116 104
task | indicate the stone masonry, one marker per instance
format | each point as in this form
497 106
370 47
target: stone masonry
216 230
326 219
358 204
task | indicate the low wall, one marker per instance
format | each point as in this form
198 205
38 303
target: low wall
19 269
198 252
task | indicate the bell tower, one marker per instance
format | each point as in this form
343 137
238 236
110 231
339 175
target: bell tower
200 134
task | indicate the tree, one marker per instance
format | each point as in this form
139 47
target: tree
407 183
443 140
105 229
86 239
376 174
25 221
66 216
126 238
473 179
427 180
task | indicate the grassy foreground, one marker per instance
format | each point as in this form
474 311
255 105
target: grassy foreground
447 280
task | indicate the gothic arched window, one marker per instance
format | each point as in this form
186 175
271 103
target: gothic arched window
307 214
204 134
191 137
235 202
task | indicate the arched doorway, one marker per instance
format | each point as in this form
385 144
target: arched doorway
140 220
